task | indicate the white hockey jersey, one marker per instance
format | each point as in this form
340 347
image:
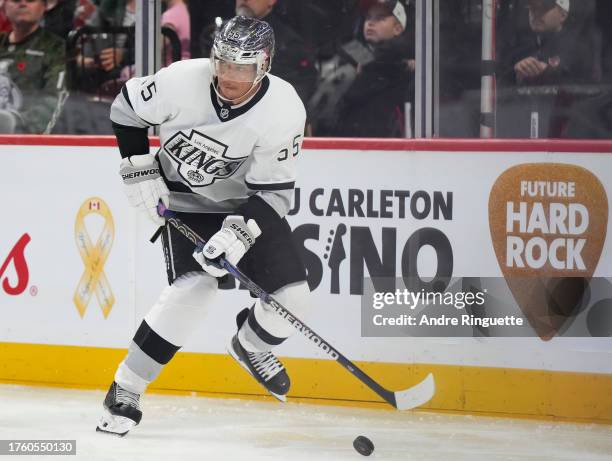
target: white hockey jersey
214 156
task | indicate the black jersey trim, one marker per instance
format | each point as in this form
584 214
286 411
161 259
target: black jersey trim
238 111
125 94
275 186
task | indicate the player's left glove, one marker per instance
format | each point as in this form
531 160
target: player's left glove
232 242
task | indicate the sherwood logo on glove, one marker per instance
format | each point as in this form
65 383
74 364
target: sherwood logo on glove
245 234
201 160
141 173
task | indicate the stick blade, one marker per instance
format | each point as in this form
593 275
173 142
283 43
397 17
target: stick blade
417 395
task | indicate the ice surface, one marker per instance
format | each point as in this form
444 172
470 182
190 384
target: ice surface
188 428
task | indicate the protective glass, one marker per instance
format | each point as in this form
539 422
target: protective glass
244 73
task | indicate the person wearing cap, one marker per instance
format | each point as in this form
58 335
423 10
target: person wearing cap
373 105
546 55
553 53
384 21
32 69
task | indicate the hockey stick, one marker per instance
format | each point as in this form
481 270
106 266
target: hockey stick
412 397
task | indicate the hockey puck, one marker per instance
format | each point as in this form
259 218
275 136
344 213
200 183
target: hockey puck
363 445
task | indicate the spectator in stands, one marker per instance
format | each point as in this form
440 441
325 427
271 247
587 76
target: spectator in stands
548 55
373 105
119 13
592 118
554 52
293 60
85 11
59 16
104 60
176 17
63 16
32 71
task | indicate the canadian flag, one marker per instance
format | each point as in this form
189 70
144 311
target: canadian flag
94 205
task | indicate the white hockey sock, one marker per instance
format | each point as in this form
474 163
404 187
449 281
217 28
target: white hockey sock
178 312
266 329
181 308
129 380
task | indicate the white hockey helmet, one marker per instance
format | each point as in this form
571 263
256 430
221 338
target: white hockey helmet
247 42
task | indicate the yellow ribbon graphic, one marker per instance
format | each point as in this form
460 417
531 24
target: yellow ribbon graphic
94 257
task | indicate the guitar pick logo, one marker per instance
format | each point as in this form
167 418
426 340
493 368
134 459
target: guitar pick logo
548 224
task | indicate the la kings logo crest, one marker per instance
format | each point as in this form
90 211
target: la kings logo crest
201 160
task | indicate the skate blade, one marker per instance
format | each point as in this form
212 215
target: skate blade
282 398
230 350
115 425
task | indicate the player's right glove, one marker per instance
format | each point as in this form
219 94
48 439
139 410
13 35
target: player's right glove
232 242
143 185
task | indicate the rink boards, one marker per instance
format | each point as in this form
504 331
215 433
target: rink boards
77 272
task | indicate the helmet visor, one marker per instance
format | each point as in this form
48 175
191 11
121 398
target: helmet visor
234 72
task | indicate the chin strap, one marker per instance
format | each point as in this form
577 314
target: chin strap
232 101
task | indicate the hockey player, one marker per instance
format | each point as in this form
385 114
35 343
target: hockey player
230 133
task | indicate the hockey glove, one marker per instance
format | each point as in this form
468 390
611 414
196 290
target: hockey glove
143 185
231 242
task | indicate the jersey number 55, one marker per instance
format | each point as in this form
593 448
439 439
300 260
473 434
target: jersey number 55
296 149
